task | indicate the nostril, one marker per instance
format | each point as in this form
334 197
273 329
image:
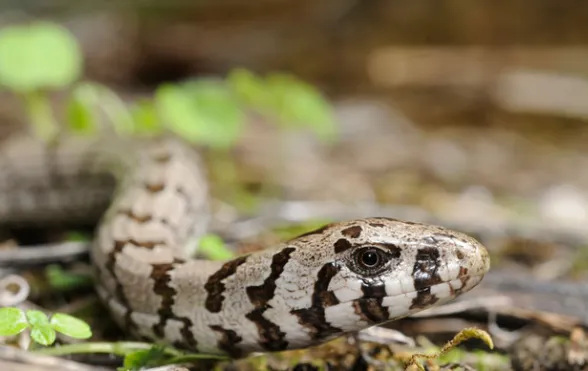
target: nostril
460 254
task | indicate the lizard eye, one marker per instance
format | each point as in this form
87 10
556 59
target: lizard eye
369 260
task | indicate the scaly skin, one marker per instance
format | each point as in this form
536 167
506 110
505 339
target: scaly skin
341 278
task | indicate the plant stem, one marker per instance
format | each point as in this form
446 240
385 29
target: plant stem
40 115
119 348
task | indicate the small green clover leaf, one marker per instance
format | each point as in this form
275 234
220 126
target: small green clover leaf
38 55
43 331
37 318
12 321
70 326
43 334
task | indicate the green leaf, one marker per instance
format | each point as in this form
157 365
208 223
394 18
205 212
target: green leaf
202 112
136 360
70 326
12 321
37 318
96 96
214 248
62 280
43 334
251 89
145 118
144 358
38 55
298 104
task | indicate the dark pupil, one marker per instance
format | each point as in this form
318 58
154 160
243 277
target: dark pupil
370 258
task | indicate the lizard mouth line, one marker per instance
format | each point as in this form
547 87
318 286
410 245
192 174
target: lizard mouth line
445 290
437 293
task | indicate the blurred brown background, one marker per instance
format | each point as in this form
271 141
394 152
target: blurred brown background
469 94
453 57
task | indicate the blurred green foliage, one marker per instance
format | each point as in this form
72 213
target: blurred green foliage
204 112
40 57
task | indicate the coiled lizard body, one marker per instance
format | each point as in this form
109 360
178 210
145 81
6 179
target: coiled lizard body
341 278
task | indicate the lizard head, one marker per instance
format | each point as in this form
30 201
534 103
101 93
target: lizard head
375 270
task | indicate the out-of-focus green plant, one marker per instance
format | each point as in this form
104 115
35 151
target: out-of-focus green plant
205 112
34 58
286 100
40 57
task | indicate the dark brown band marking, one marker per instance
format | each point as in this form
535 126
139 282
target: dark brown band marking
352 232
313 318
371 310
425 271
228 341
369 307
394 250
270 335
322 296
161 287
260 295
154 188
160 273
424 299
271 338
215 287
342 245
187 333
160 276
137 218
119 294
425 274
373 289
117 248
141 219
